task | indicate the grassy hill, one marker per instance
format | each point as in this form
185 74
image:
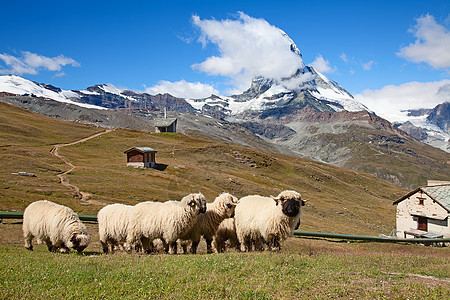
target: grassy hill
340 200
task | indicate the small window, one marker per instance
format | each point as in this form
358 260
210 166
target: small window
421 201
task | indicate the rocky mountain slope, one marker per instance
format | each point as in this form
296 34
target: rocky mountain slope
305 114
431 126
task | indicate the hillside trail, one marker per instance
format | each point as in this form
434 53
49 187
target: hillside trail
84 196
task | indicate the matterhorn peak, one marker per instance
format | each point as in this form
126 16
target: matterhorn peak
293 46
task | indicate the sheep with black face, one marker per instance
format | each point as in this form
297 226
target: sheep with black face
267 220
56 225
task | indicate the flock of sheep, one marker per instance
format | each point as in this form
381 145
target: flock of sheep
250 223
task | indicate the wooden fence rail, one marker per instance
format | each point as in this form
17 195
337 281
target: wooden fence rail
19 215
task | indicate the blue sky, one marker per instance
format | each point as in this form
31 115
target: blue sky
143 44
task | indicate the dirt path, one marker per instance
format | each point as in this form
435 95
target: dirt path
64 181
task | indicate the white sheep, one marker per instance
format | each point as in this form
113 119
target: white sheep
113 223
207 223
56 225
267 220
155 220
226 232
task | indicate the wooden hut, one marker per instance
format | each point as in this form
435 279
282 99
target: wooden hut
166 125
141 157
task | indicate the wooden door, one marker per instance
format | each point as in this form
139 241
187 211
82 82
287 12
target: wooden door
422 224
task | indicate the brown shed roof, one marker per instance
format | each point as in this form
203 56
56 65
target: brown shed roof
141 149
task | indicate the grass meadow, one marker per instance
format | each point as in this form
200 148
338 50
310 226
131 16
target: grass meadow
306 268
339 201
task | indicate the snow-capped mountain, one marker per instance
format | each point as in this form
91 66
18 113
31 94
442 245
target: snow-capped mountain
267 93
431 126
101 96
20 86
306 85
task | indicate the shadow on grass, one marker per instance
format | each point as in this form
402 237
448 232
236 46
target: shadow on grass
90 253
160 167
338 241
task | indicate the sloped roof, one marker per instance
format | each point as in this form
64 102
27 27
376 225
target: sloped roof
141 149
164 122
439 193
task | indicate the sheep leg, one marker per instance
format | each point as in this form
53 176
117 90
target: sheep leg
50 246
151 247
126 247
165 245
137 247
104 247
28 245
173 247
184 246
194 246
259 245
235 243
208 245
246 245
146 245
275 243
218 244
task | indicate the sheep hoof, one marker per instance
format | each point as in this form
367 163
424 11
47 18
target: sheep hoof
29 248
64 250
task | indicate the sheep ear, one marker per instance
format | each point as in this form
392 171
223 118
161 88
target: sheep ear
275 199
234 200
73 238
303 202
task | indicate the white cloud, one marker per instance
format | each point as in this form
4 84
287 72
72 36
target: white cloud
297 82
248 47
183 89
344 57
432 44
322 65
16 66
368 65
389 101
31 63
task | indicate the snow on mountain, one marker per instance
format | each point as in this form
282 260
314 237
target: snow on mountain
268 93
331 91
437 133
107 88
17 85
